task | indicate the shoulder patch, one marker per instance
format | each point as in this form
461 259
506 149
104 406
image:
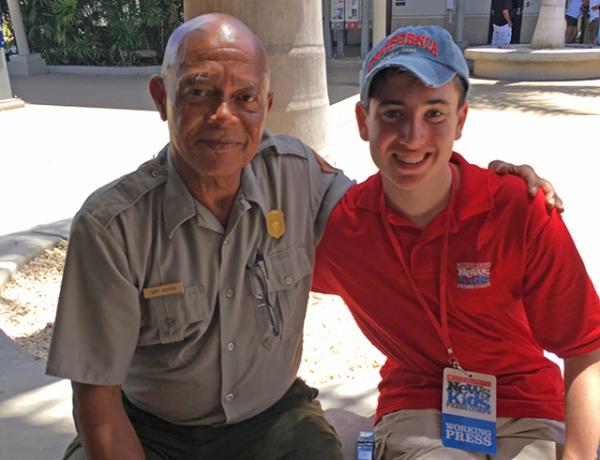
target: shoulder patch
325 167
114 198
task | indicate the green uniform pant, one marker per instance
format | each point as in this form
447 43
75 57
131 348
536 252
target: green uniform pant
294 428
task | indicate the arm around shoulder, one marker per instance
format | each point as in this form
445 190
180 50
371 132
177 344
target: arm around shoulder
582 406
102 424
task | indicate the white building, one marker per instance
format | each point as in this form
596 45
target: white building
477 16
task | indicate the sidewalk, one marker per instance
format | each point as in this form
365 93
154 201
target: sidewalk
79 132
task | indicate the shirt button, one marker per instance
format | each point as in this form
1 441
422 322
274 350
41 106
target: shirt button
229 293
231 346
230 397
287 280
170 322
226 241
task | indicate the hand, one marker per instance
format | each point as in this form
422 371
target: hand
534 182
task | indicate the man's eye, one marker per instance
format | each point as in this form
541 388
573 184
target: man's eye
434 114
393 114
248 98
197 92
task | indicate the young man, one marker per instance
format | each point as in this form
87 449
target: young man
464 279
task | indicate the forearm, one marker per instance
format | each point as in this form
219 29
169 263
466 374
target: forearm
102 424
506 15
582 406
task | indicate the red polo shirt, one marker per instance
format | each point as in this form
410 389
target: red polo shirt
515 286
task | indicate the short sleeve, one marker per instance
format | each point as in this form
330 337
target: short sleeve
561 302
98 314
327 186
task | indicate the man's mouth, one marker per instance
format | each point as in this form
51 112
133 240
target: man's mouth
410 160
220 144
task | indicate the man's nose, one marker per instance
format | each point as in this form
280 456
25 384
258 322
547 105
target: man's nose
222 112
413 133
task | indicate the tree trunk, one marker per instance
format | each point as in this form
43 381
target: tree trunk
291 31
550 29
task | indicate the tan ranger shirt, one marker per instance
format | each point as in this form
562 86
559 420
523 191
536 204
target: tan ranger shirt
200 324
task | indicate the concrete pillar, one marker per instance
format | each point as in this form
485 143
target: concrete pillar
379 19
460 22
24 63
364 31
7 101
292 33
19 29
327 39
5 90
550 29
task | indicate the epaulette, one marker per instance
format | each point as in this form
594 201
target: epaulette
114 198
283 145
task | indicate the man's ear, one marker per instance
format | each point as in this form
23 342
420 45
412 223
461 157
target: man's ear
159 95
460 120
361 120
269 101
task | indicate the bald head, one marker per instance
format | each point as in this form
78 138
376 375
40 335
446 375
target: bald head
213 31
214 93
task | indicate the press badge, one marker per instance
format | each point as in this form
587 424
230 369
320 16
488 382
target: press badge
469 411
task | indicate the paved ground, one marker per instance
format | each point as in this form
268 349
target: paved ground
76 133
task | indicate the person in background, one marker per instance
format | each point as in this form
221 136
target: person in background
573 12
592 29
501 22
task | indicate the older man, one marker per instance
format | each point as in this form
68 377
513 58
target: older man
185 287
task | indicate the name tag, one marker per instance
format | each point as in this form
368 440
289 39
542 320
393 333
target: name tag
163 290
469 411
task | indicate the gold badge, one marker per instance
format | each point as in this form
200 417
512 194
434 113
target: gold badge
275 223
163 290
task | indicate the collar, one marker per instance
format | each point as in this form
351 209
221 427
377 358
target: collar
474 196
178 203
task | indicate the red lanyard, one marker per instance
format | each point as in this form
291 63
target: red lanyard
441 326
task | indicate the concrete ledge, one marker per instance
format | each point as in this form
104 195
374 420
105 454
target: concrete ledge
31 64
103 70
16 249
12 103
520 62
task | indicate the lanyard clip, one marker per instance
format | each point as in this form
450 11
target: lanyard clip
453 361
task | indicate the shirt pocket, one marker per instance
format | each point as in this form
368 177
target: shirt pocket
288 286
171 318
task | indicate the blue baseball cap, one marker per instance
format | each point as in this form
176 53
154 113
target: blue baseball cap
427 52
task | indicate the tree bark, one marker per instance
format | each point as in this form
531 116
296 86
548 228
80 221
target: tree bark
550 29
292 33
